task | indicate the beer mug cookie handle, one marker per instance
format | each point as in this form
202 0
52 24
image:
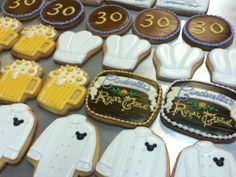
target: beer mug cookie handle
9 38
33 86
76 98
46 47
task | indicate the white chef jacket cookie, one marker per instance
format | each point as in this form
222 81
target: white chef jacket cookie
204 159
66 148
16 125
131 151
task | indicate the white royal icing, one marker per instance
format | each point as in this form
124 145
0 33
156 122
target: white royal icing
177 61
13 138
113 80
127 155
73 48
69 74
137 3
198 161
23 67
60 153
11 23
123 52
224 66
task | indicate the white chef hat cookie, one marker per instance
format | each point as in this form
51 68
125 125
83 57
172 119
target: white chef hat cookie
177 61
10 23
125 52
77 48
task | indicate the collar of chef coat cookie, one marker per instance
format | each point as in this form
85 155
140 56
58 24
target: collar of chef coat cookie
76 119
205 146
19 107
143 132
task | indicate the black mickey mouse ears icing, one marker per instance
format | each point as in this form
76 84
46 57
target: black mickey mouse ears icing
201 110
123 99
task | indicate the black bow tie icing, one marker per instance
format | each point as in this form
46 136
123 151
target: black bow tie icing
219 162
80 136
17 122
150 147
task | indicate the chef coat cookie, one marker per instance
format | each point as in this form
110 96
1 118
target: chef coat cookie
17 127
208 32
131 151
205 159
36 42
109 19
157 25
134 4
62 14
22 9
77 48
222 66
69 147
202 110
185 7
123 99
64 90
9 32
171 64
125 52
20 81
92 2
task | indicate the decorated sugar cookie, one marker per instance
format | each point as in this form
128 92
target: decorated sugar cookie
9 32
109 19
157 25
77 48
131 151
62 14
208 32
17 129
22 9
92 2
134 4
205 159
36 42
185 7
69 147
20 81
123 99
202 110
64 90
222 66
171 64
125 52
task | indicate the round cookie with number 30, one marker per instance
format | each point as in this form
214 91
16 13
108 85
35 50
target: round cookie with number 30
62 14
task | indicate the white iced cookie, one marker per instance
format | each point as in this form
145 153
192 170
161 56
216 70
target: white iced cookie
205 159
10 23
17 126
131 151
135 4
77 48
125 52
178 61
92 2
222 66
67 148
185 7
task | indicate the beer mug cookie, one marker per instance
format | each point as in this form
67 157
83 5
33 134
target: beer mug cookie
22 9
20 81
64 90
9 29
36 42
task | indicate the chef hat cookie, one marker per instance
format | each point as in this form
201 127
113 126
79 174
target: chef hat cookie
77 48
134 4
36 42
9 29
20 81
131 151
222 66
17 128
205 159
125 52
69 147
178 61
64 90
